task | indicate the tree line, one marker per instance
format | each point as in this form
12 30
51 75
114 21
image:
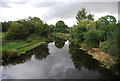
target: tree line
21 29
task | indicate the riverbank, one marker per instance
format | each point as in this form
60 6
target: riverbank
105 59
102 57
14 48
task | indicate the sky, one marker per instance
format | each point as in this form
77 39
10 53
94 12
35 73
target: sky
51 11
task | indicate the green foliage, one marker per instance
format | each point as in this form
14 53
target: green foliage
42 29
35 19
51 28
5 26
17 31
21 46
77 34
28 24
93 38
2 34
90 17
107 19
82 15
110 46
60 27
23 28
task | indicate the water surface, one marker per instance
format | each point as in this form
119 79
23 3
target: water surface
57 60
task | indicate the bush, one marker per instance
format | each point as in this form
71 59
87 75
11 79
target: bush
110 46
77 34
93 38
17 31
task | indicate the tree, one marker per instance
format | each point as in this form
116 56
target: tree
93 37
107 19
81 14
77 33
110 45
17 31
60 27
35 19
28 24
5 26
90 17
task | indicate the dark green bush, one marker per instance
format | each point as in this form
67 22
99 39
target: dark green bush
17 31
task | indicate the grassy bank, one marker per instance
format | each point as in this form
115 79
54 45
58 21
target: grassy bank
12 48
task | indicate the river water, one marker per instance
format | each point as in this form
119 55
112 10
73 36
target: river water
56 60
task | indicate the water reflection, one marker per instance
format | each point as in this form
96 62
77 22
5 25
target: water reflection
49 62
17 60
59 43
81 59
40 53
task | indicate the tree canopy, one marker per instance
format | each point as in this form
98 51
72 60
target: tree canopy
107 19
60 26
82 14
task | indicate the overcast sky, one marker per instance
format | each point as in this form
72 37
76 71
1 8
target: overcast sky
50 11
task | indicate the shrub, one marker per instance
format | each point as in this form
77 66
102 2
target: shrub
17 31
93 38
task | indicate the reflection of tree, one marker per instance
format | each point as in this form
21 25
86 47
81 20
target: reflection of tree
40 52
17 60
81 59
59 43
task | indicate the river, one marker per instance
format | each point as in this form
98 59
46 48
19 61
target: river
56 60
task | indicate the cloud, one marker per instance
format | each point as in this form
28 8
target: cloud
4 5
68 10
9 3
49 11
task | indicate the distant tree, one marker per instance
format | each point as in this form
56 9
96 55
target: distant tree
81 14
38 28
60 27
5 26
107 19
51 27
35 19
90 17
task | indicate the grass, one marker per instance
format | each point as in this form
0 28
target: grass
21 46
2 34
